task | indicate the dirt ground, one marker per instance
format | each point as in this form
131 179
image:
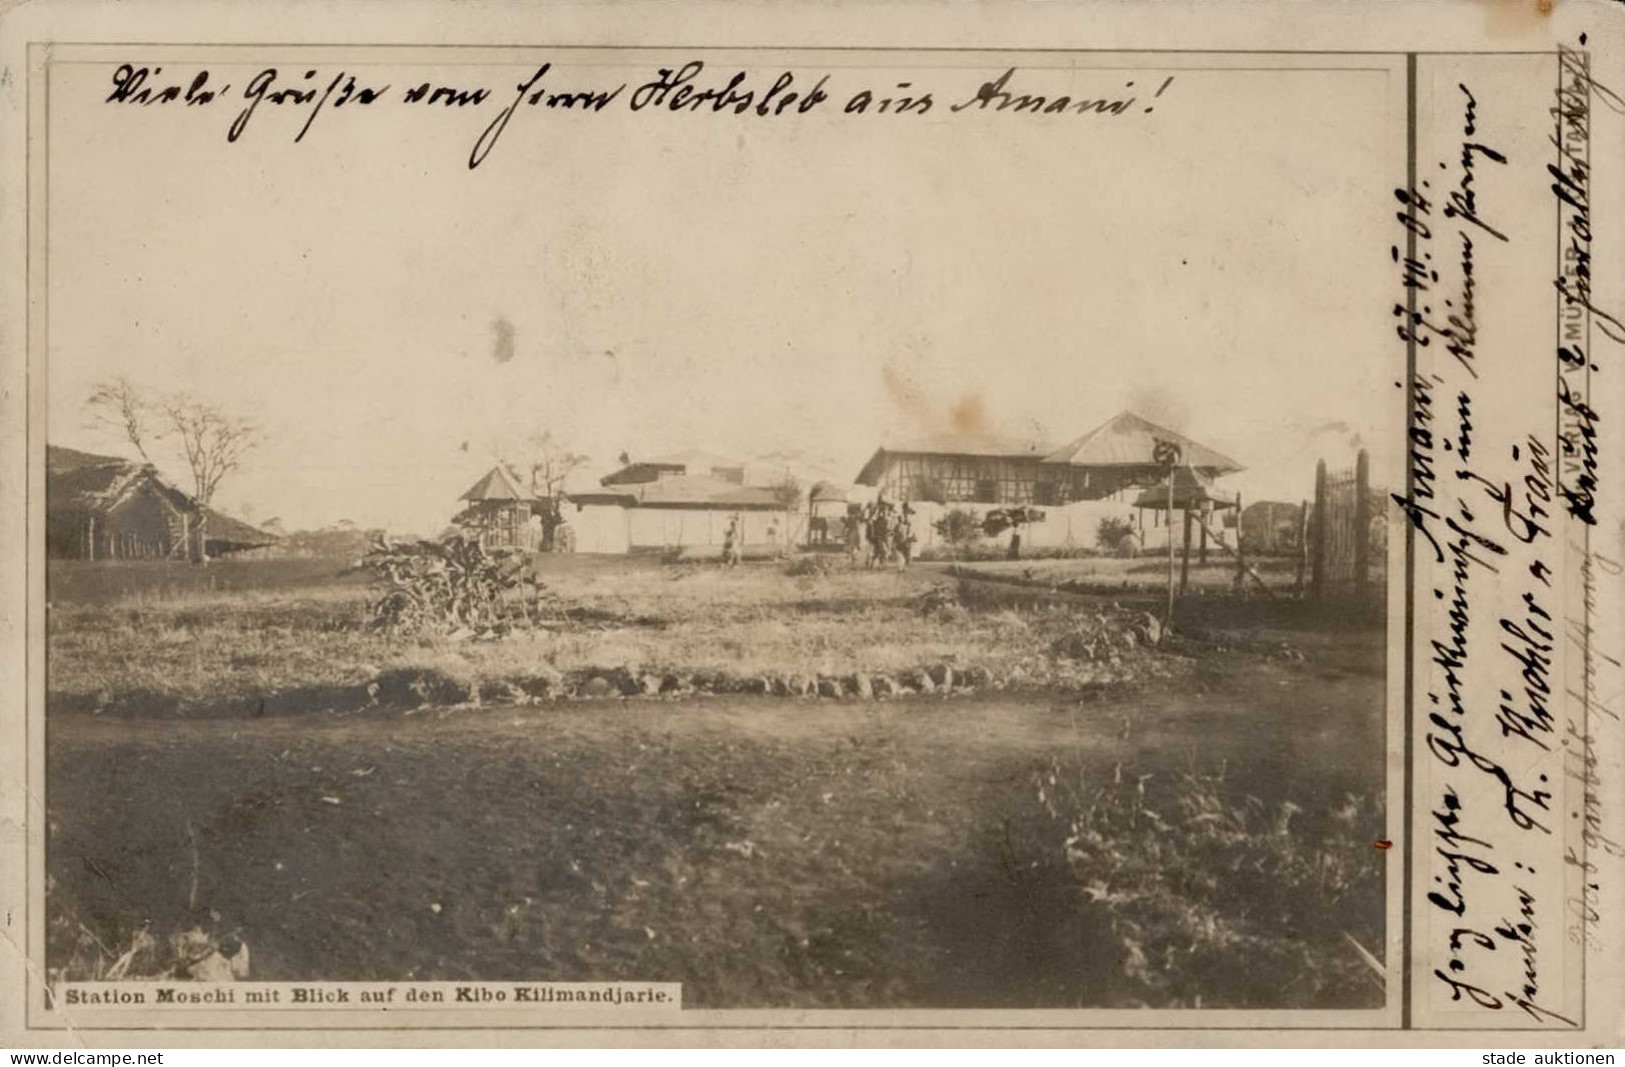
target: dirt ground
762 852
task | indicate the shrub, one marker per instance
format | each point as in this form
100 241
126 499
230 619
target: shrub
447 586
1112 532
959 526
1202 883
1012 518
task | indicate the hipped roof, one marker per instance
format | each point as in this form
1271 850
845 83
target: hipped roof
979 445
497 486
1128 440
1125 443
1191 490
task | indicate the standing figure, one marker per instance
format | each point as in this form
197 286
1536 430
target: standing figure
880 533
731 549
853 531
903 537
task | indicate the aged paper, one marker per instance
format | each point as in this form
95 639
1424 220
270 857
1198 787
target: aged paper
550 524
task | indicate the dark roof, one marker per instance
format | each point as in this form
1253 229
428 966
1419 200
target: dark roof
496 485
1191 490
981 445
1128 440
221 529
688 461
86 482
826 491
686 491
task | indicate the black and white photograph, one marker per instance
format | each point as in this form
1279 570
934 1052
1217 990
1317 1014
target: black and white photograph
875 533
705 561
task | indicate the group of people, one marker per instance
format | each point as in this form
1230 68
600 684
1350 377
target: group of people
880 533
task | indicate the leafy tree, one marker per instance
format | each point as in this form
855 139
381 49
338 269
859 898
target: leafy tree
958 526
1012 518
787 491
547 463
1111 532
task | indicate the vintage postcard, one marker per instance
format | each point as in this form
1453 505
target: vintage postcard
809 523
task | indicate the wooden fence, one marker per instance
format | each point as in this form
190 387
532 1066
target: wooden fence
1345 541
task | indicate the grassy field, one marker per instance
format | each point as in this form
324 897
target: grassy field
1190 834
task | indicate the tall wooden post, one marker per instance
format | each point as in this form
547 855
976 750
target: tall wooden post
1185 559
90 536
1303 544
1207 513
1169 527
1241 551
1362 523
1317 557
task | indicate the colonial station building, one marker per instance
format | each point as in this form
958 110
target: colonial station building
1078 483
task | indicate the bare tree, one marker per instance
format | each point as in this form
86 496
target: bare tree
116 404
550 462
213 443
787 491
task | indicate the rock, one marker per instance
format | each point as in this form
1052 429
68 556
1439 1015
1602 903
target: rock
675 683
597 687
942 676
758 686
974 677
649 685
800 685
829 687
883 686
863 687
922 681
779 686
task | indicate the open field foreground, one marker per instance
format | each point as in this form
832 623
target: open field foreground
1185 826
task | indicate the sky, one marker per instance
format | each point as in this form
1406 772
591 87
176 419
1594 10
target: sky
803 286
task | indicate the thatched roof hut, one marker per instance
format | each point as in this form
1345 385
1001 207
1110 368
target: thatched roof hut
108 507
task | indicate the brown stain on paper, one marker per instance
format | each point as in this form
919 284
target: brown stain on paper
967 415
